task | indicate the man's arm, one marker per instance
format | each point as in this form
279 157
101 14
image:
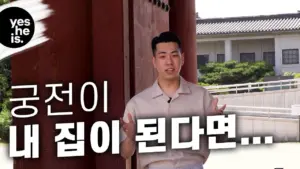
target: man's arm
127 148
128 144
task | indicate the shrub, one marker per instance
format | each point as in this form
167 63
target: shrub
5 94
288 74
232 72
5 122
204 84
297 75
5 117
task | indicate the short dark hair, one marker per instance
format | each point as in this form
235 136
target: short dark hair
165 37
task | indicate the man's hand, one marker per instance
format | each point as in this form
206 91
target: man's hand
216 111
215 107
128 145
128 128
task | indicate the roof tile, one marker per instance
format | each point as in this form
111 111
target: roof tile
268 23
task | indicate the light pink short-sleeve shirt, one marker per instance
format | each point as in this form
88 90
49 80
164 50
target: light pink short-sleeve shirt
190 99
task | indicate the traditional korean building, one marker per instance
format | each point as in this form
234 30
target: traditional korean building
97 40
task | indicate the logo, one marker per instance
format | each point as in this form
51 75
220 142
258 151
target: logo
16 27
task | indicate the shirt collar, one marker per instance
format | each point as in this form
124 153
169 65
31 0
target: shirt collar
183 88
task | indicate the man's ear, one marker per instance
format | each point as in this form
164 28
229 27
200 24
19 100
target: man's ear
153 62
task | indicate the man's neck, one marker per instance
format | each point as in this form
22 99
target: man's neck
169 87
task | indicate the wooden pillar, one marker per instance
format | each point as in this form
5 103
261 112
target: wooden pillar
147 19
66 58
111 64
183 23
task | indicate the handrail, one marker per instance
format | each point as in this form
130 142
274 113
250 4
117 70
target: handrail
255 107
251 86
255 83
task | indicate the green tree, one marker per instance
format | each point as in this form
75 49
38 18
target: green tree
232 72
5 95
5 122
3 2
5 84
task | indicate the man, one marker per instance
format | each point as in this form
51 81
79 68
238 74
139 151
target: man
169 96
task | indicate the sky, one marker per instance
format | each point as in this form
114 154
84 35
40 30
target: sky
232 8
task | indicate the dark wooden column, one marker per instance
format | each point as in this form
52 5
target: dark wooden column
110 63
65 58
183 23
147 19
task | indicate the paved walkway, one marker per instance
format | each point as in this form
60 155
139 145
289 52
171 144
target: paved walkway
5 161
284 155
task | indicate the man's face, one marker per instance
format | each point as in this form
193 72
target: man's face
168 60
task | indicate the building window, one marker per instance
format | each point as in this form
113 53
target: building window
247 57
290 56
202 59
269 58
220 58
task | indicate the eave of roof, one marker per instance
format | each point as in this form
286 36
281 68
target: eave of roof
249 24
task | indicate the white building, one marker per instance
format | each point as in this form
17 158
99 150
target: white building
273 38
